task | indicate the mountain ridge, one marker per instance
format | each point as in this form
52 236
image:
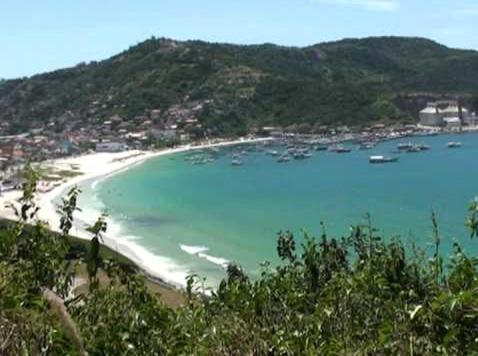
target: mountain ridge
351 81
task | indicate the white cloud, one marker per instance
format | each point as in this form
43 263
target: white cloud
375 5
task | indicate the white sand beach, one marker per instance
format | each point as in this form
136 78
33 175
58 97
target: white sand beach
98 165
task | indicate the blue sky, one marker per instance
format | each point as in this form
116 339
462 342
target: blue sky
42 35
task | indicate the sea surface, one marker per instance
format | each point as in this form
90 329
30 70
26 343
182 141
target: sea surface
197 218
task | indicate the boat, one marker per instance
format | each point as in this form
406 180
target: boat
200 161
273 153
366 146
404 146
320 148
382 159
342 149
413 149
236 162
423 147
283 159
453 144
302 155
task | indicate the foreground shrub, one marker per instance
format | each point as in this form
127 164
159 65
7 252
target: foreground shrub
360 294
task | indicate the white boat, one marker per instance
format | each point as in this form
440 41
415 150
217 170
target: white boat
236 162
367 146
423 147
413 149
341 149
453 144
302 155
382 159
283 159
273 153
404 146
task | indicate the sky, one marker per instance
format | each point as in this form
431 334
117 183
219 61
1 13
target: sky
44 35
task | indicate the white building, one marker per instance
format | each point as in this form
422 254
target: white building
452 122
471 120
435 114
454 111
430 116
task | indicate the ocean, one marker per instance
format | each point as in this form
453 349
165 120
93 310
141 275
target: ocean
177 218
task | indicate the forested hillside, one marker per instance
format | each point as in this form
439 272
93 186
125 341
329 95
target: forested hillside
236 87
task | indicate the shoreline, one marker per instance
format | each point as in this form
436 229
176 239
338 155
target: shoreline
98 166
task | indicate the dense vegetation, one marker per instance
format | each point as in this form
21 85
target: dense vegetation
359 294
345 82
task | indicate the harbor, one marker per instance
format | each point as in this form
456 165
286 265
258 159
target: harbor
297 148
233 212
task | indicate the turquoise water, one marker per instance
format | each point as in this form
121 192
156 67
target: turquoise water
204 215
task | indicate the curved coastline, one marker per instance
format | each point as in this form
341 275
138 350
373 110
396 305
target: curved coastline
98 167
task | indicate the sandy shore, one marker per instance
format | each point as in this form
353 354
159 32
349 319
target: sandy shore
99 165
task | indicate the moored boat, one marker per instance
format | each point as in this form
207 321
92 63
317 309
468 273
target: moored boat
382 159
453 144
366 146
302 155
273 153
413 149
423 147
236 162
320 148
404 146
341 149
283 158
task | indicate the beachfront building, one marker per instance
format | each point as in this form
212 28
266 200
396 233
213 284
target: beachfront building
454 111
444 114
452 122
430 116
272 131
471 119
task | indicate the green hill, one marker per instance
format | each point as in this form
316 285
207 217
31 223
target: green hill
353 81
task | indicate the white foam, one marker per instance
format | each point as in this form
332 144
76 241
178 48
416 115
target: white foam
199 251
95 184
193 250
157 266
133 237
153 264
127 245
216 260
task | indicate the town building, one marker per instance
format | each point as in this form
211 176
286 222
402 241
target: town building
444 114
452 122
471 120
272 131
110 147
430 116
